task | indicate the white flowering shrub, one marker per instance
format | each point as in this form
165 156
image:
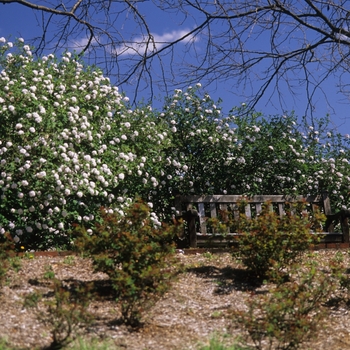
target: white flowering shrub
200 138
278 155
249 153
69 144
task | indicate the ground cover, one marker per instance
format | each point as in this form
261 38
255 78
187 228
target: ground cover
199 306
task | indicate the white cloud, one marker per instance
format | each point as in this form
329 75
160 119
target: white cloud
80 44
139 44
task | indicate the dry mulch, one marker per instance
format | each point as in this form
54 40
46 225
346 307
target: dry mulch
196 307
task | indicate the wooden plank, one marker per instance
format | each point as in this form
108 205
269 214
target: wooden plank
247 211
234 198
223 207
254 199
326 203
202 221
258 207
280 210
213 210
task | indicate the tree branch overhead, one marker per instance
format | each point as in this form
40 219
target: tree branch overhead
257 47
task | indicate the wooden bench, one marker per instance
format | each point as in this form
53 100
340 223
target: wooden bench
196 210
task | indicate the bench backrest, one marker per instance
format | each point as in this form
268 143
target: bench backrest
209 206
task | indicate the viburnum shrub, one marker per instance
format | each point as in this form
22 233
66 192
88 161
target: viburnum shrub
201 139
247 153
135 253
269 242
286 155
69 144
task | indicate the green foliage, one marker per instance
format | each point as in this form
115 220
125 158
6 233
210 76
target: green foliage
341 272
69 260
216 344
93 344
6 255
65 313
200 138
4 344
268 242
286 155
292 311
134 252
49 273
16 263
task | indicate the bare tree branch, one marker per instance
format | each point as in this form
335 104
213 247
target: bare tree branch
259 47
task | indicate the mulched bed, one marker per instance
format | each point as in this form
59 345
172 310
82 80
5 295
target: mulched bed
197 306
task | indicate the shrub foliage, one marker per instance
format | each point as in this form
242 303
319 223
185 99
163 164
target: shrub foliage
269 242
291 312
135 253
65 313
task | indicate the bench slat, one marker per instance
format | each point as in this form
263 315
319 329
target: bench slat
248 211
213 210
258 207
201 212
280 209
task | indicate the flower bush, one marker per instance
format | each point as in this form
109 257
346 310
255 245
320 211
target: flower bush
247 153
71 143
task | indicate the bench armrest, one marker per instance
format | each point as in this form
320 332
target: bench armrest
342 216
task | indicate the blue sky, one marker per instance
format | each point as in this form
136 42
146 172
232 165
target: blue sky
18 21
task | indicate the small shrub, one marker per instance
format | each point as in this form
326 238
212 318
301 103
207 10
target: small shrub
4 345
65 313
16 263
269 241
6 253
341 272
69 260
133 252
291 312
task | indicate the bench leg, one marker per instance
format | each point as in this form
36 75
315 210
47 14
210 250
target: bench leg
345 229
192 232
